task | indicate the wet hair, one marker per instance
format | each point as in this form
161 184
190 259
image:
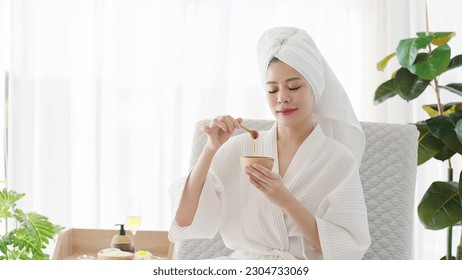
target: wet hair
273 60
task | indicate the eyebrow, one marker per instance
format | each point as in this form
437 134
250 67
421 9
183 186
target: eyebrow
286 81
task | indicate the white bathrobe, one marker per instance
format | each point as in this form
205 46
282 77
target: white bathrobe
323 175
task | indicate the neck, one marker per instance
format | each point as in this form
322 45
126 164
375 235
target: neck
294 134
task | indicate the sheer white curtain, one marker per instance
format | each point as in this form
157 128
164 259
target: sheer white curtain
4 54
105 94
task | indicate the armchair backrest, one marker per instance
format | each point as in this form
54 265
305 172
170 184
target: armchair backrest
388 175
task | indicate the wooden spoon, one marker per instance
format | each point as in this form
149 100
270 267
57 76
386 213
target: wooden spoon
253 133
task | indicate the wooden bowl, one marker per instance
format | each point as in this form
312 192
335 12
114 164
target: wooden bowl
267 162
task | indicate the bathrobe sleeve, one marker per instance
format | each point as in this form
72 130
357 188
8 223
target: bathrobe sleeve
206 220
224 168
342 217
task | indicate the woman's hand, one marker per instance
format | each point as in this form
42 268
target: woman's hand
219 131
270 184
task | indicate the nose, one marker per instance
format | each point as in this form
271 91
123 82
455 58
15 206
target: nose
284 97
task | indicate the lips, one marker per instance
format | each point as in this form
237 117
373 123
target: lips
286 111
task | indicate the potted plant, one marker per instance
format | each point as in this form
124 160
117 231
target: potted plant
31 233
423 59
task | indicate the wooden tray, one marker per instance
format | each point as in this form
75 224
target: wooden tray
76 242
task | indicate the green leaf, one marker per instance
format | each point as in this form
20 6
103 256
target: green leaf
22 240
408 48
441 38
438 38
428 67
5 210
429 145
408 85
10 196
443 128
8 199
383 63
385 91
454 88
39 227
458 130
440 206
422 34
451 107
431 109
455 62
445 154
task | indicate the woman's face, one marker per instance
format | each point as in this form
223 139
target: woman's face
289 95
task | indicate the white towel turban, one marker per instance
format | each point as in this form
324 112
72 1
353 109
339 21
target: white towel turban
332 110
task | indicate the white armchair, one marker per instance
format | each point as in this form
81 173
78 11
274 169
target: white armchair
388 172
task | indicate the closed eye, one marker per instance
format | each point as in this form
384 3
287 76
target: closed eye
272 91
295 88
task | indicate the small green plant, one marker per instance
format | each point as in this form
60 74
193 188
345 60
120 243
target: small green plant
30 234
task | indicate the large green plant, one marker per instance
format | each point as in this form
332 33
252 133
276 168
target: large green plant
423 59
30 234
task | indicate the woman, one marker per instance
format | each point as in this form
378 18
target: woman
311 204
